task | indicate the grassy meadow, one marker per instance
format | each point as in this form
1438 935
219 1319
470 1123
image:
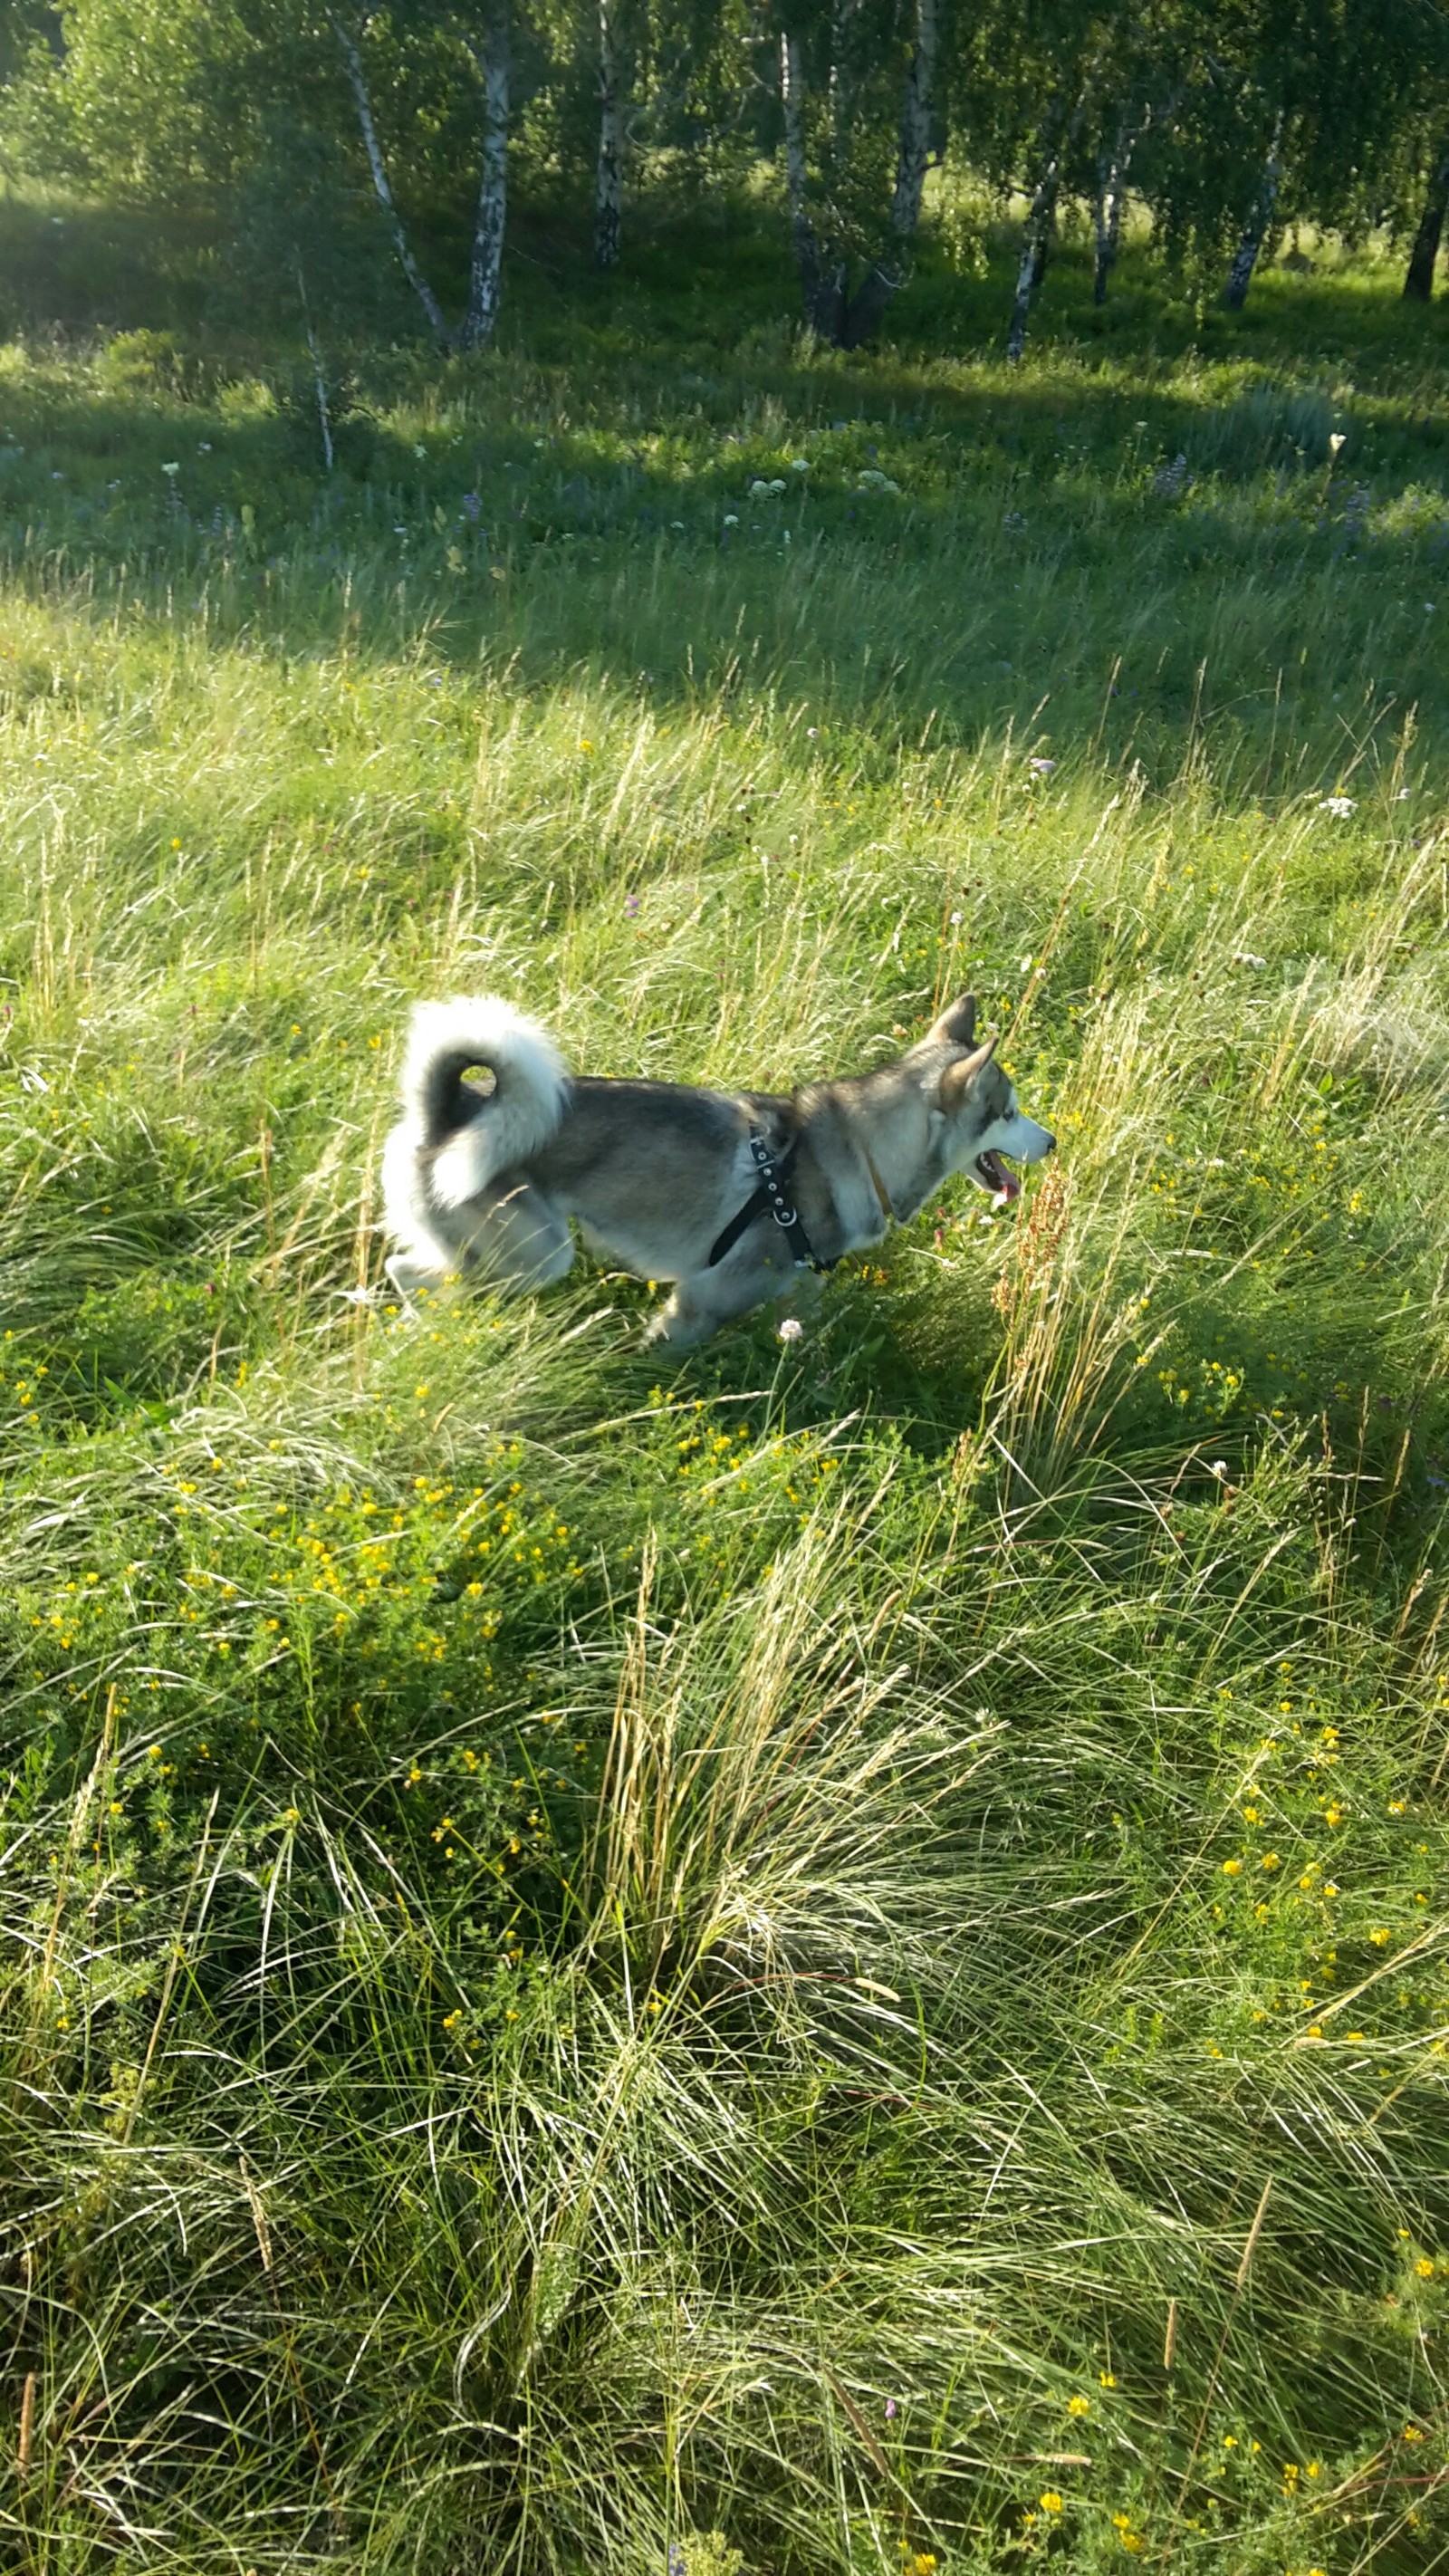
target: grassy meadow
828 1955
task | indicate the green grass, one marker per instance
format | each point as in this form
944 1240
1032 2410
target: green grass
841 1945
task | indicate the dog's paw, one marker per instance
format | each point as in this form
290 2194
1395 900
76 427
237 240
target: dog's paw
678 1326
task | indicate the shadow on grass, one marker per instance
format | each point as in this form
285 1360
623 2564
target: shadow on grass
1029 541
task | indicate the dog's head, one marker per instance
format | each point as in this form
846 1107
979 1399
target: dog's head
974 1096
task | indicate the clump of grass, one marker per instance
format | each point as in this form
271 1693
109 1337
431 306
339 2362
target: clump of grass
833 1960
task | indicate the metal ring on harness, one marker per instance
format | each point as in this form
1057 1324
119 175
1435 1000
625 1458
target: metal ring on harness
769 1195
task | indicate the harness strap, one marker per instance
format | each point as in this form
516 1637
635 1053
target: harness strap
773 1193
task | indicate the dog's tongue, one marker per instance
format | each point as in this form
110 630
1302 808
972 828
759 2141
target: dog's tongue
1006 1182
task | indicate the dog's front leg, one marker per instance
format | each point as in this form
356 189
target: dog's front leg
708 1298
681 1322
805 1294
412 1276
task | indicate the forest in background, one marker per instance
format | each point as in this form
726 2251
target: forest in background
331 144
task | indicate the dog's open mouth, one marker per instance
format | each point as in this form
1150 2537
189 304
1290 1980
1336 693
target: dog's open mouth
998 1177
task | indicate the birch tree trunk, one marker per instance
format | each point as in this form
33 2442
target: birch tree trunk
1245 257
840 95
485 274
915 143
1045 237
609 184
882 282
319 378
1033 254
357 80
1419 277
822 280
1107 211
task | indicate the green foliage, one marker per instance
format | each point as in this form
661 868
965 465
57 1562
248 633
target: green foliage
708 1970
245 115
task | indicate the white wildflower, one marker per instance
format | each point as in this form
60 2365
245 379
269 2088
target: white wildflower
1342 806
792 1330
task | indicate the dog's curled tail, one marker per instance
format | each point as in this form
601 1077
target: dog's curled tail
469 1138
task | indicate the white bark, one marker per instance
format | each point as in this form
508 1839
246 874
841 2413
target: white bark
840 94
822 280
319 378
320 382
357 79
915 143
1245 258
1112 171
1419 277
792 100
485 276
609 187
850 320
1033 255
1112 174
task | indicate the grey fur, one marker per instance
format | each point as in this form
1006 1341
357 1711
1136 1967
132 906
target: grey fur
651 1172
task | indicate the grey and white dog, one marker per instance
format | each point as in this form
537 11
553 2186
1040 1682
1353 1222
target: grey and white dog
499 1149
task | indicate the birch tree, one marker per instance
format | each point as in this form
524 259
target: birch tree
485 270
1031 266
822 272
1419 276
609 176
838 313
479 45
1245 257
1150 62
382 185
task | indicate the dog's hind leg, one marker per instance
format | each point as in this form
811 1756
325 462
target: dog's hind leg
523 1242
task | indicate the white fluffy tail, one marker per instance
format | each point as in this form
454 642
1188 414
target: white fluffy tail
470 1139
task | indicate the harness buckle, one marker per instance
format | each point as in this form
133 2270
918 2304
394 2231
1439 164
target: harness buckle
769 1195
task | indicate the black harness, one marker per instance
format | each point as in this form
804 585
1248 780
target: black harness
773 1193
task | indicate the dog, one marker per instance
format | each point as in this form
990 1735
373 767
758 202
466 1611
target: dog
729 1195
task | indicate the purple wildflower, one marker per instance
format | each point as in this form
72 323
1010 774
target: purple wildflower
472 507
1042 768
890 2408
631 905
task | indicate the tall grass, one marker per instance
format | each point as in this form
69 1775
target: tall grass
835 1960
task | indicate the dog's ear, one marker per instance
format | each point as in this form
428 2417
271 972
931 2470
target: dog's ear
957 1079
956 1026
